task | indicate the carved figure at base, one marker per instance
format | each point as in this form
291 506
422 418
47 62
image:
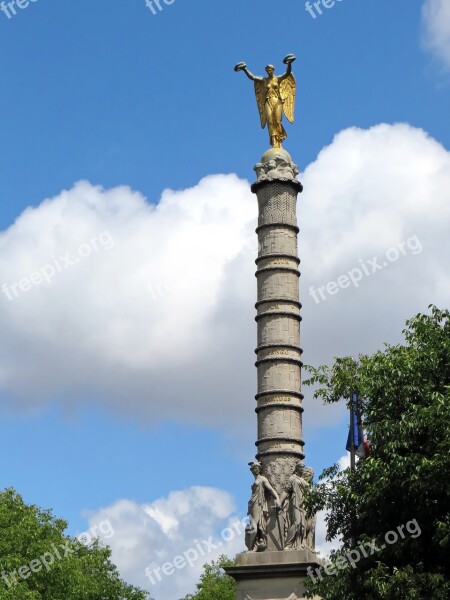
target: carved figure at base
296 517
310 536
274 95
258 510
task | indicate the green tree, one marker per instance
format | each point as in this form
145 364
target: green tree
39 562
215 584
405 394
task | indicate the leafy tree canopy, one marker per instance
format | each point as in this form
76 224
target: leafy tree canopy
405 395
214 583
39 562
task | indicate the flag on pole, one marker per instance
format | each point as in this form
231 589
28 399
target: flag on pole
356 432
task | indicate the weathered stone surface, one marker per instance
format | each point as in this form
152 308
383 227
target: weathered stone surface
279 398
276 164
264 559
272 575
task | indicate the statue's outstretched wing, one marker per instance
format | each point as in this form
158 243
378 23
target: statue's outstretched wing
288 88
260 93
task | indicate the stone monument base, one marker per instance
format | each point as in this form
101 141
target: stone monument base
278 575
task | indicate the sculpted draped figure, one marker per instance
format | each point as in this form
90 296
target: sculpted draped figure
296 533
310 534
301 531
274 95
258 510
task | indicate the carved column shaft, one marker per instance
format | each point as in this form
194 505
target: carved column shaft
279 398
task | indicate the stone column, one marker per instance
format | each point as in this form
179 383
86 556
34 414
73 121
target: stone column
279 399
281 547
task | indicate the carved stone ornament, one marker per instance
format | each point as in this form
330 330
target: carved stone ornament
277 168
279 471
276 164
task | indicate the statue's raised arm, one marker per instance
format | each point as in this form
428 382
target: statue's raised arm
243 67
274 94
287 60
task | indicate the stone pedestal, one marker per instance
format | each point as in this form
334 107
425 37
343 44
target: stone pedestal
272 575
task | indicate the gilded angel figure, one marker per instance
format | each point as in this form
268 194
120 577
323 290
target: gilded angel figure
274 95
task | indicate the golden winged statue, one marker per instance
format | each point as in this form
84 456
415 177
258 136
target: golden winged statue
274 95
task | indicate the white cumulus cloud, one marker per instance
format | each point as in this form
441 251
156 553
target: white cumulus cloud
163 546
148 309
436 21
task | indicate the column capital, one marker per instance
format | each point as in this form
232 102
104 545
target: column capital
276 166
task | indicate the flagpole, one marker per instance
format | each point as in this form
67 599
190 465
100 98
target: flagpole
352 434
352 467
352 428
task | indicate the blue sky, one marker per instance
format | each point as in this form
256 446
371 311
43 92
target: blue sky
108 93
